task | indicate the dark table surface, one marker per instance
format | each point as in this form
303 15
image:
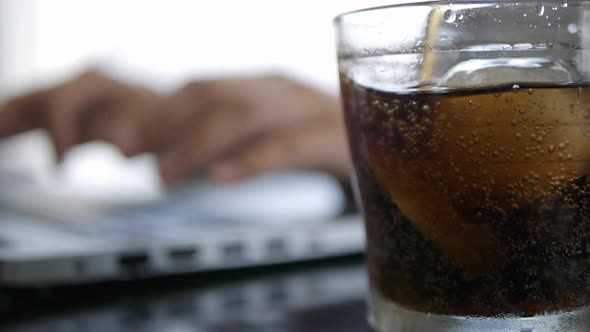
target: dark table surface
321 296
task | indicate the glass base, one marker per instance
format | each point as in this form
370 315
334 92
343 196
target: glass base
386 316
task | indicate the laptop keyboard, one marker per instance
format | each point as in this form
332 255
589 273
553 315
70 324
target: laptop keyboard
194 207
167 217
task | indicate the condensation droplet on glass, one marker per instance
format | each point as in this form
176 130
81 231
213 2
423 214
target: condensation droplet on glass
572 28
531 91
540 9
549 24
515 87
420 46
564 4
450 16
524 15
554 8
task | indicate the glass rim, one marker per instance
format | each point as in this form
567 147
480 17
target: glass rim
429 3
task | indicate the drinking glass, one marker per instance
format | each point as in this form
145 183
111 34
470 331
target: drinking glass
469 127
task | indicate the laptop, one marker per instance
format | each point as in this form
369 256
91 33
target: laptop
53 233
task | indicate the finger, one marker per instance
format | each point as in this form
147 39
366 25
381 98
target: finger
87 93
317 147
269 154
218 132
253 96
179 113
169 120
272 153
23 113
119 124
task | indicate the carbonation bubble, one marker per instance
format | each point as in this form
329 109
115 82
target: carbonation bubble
450 16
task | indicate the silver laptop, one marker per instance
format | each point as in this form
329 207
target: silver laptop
54 235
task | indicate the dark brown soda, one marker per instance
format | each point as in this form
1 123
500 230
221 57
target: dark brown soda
476 202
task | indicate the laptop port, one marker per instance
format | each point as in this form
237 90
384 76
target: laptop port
233 251
134 264
276 247
182 256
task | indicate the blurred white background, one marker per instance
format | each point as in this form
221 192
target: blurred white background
161 43
167 41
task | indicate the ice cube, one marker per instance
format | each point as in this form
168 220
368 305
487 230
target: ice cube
503 71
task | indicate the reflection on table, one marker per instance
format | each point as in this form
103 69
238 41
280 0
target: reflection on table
312 298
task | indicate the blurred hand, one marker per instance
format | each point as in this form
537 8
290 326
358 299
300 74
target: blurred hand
230 129
237 128
89 107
